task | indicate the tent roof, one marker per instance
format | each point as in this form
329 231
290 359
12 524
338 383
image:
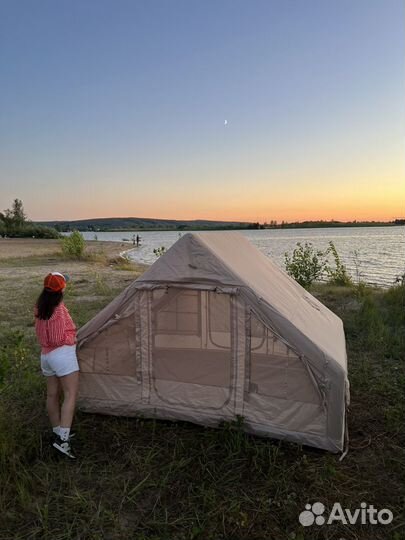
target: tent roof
229 258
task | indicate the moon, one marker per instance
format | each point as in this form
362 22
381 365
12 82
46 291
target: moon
225 122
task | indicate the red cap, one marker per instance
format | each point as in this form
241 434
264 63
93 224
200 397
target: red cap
55 282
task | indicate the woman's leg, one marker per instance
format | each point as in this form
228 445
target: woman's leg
70 386
53 400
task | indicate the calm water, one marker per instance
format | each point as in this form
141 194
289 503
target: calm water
375 254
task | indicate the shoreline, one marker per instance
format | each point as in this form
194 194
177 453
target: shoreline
13 251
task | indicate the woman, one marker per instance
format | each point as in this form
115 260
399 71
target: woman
56 334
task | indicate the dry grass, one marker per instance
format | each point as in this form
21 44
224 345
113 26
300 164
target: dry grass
11 248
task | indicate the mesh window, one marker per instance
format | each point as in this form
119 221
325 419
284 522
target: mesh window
177 312
112 352
191 337
275 369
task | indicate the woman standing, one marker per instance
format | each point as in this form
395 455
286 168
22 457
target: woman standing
56 334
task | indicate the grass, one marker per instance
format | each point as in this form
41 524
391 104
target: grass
147 479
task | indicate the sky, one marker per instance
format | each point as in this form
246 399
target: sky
201 109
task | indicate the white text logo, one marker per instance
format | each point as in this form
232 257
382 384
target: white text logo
314 514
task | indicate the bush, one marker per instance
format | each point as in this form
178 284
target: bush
73 245
306 264
338 275
28 230
159 251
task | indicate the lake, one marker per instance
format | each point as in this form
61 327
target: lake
375 255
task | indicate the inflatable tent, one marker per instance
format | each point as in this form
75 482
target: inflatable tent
214 330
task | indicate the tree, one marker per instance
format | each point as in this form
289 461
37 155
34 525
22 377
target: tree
16 215
14 223
19 215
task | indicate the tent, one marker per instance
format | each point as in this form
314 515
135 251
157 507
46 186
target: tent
213 331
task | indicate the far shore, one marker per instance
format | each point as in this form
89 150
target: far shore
201 229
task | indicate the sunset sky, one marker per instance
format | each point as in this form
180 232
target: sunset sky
118 108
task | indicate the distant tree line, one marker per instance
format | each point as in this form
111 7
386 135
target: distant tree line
273 224
150 224
15 224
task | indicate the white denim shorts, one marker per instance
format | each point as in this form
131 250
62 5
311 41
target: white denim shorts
60 362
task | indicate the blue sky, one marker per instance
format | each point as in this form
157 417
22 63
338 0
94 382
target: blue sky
117 108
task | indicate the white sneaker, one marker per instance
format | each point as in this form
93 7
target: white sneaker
64 447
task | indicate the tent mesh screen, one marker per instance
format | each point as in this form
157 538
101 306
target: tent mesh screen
112 352
191 332
275 369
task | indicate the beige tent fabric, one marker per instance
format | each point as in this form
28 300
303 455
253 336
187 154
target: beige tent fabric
280 291
212 330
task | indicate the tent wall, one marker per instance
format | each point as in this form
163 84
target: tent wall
205 356
109 381
182 352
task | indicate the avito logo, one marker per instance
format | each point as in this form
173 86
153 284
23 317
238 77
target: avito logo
314 514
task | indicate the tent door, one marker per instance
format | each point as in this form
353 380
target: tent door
195 352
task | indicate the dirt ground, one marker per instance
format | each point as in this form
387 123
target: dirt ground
29 260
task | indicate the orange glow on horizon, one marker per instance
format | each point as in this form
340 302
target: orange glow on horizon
249 217
376 196
338 208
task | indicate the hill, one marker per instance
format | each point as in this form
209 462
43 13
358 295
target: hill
133 223
154 224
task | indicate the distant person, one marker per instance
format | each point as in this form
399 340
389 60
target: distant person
56 333
137 240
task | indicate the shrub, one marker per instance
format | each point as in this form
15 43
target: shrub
338 275
159 251
41 231
28 230
357 266
100 285
73 245
306 264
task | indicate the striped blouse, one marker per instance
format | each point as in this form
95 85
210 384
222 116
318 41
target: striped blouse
57 331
